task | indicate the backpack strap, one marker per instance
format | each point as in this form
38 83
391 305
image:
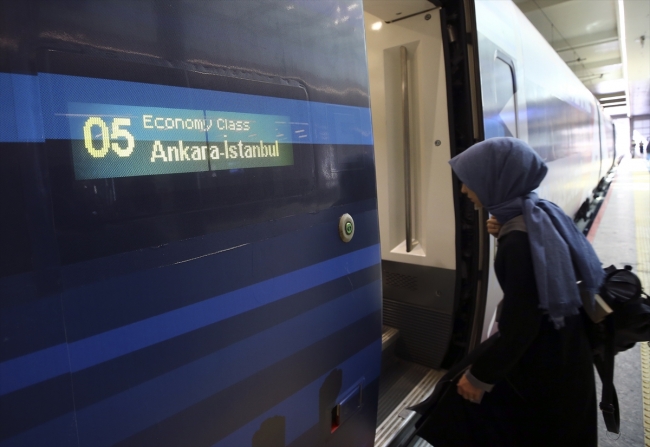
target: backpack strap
605 366
514 224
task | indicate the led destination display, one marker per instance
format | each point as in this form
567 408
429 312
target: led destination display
123 141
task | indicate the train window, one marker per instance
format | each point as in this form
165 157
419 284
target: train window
505 90
135 165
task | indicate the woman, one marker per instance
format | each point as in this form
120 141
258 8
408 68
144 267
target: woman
533 385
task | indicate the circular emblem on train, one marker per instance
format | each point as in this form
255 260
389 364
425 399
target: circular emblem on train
346 227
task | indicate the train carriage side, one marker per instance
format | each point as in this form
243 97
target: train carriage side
530 93
173 177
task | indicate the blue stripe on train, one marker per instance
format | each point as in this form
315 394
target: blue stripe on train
300 410
129 412
101 294
44 114
290 232
48 363
133 297
20 105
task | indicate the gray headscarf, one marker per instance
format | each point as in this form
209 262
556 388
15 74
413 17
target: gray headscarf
503 172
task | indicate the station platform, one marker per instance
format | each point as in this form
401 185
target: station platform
621 236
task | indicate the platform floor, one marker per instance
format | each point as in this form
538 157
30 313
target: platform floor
620 236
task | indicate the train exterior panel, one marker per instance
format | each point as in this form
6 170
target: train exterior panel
172 178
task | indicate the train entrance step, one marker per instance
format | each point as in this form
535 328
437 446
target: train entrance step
401 385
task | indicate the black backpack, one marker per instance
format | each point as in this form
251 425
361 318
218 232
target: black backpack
626 323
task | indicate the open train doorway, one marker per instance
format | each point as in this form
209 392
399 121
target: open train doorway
430 283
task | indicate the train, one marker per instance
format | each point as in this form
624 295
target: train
232 223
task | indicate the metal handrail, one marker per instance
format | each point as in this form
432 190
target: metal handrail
407 148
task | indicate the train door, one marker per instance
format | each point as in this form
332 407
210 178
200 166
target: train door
505 83
499 87
408 94
501 119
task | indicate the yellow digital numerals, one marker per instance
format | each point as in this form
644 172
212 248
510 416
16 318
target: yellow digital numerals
117 131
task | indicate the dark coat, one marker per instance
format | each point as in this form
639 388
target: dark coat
544 390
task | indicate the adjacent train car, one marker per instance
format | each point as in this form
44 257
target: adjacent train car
173 176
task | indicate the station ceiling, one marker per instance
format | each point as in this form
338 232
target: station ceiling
605 42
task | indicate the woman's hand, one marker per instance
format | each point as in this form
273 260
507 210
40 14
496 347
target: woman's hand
493 226
469 391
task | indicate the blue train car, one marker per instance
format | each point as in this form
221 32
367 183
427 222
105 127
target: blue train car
173 176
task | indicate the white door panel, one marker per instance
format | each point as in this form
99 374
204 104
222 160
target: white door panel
433 221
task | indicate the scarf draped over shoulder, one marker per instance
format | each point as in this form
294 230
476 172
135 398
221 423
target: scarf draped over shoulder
504 172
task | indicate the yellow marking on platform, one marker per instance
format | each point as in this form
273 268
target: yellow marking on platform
645 385
641 179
